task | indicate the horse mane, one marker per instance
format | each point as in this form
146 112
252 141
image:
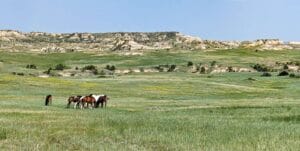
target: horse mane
48 96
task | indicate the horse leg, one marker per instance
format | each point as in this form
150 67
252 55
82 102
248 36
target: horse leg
76 105
68 105
93 105
81 105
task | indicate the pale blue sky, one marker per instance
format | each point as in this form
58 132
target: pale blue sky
208 19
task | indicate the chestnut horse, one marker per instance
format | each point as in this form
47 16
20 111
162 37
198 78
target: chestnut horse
88 100
75 100
101 100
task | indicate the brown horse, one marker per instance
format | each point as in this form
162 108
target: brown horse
48 100
88 100
75 100
102 100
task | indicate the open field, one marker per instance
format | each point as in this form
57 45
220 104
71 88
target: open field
151 111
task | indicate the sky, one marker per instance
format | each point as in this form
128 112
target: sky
207 19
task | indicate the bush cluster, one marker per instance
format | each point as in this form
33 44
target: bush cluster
261 68
293 75
31 66
90 68
110 68
170 68
283 73
190 63
60 67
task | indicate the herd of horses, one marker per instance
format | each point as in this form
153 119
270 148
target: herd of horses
90 101
80 102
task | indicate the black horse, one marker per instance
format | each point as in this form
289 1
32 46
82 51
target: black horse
48 100
102 100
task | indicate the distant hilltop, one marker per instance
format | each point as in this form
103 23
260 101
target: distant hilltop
11 40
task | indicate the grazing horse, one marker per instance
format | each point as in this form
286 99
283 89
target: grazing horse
101 100
89 100
75 100
48 100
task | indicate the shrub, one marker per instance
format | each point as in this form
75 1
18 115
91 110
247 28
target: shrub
142 69
48 71
95 71
202 70
190 63
283 73
172 68
230 69
261 68
213 63
160 68
293 75
20 74
89 67
266 74
111 68
285 67
107 67
31 66
60 67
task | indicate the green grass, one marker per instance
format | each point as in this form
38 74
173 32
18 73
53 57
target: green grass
151 111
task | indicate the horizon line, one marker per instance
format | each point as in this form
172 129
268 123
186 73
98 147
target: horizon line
85 32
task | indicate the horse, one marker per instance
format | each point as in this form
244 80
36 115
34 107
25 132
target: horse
89 100
75 100
48 100
101 100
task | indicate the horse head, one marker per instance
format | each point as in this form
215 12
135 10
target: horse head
102 100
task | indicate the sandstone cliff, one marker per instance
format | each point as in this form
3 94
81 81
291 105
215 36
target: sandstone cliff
11 40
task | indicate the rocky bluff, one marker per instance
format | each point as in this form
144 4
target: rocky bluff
11 40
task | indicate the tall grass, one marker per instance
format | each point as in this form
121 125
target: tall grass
149 111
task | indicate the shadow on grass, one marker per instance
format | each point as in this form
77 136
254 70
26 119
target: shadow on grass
292 118
3 134
243 107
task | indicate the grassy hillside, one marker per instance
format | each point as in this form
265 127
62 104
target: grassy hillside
151 111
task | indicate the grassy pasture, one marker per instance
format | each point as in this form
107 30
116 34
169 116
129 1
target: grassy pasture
151 111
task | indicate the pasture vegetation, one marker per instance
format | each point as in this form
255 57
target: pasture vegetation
151 111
